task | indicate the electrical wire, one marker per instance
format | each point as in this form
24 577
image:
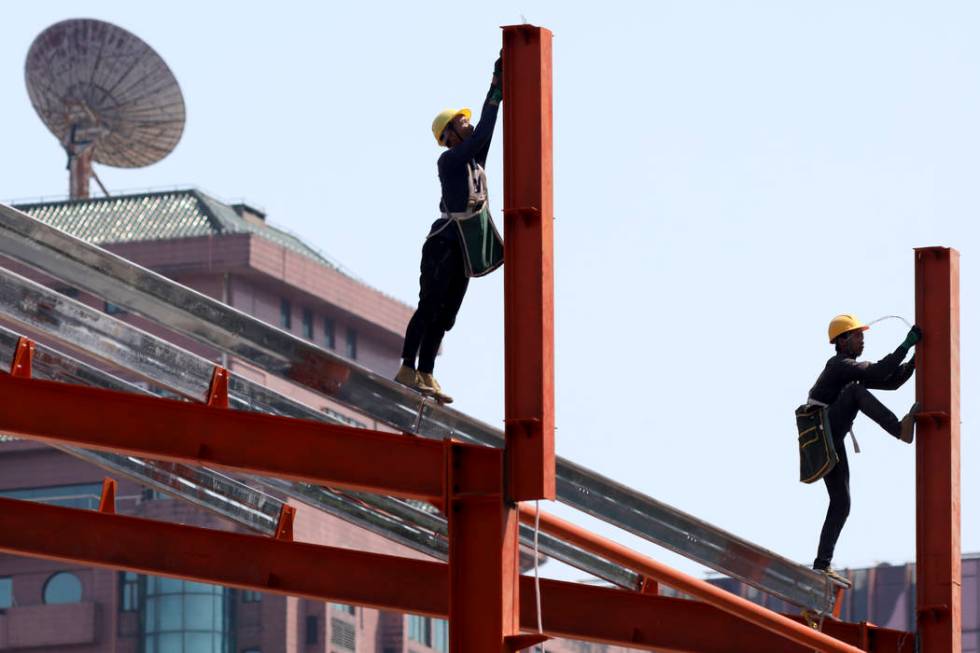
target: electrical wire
890 317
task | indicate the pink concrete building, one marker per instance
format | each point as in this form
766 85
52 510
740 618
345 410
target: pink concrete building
229 253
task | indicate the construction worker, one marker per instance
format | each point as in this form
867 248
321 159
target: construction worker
446 264
843 389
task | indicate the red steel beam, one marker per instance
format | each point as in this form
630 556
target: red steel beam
529 395
483 566
235 559
385 582
640 620
937 450
179 431
725 601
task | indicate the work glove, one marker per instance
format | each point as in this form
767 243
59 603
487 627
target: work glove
914 336
497 84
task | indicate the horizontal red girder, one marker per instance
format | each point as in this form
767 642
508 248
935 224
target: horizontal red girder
386 582
284 447
649 568
643 621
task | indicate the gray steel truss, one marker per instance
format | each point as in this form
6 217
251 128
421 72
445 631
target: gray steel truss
190 313
119 345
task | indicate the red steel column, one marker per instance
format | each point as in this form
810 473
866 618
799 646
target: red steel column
937 450
484 599
529 269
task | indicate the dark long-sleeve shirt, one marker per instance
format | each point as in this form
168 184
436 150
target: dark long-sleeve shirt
887 374
454 164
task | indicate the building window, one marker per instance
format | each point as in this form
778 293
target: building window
63 587
329 338
68 496
343 608
433 633
251 596
312 629
285 315
114 309
181 615
351 344
129 591
6 592
308 324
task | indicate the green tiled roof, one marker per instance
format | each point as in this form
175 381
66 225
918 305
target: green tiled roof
156 216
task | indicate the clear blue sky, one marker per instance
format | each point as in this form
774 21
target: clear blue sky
729 176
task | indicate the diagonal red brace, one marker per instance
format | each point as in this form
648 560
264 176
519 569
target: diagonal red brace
107 501
517 643
284 527
218 390
20 366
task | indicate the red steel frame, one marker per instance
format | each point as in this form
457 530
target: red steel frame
477 487
937 451
281 566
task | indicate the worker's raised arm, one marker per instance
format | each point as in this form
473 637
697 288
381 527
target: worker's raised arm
896 380
478 146
876 374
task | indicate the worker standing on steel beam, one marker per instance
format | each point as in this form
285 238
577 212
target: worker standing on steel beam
841 391
462 243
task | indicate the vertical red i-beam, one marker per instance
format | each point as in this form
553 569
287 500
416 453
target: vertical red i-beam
484 606
937 452
528 269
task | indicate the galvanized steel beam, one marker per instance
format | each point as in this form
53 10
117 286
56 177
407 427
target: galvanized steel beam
186 311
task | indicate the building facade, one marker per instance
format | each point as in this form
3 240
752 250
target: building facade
229 253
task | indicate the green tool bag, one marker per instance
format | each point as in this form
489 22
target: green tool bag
483 248
817 453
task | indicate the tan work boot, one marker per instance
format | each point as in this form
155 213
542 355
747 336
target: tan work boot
832 574
426 379
908 424
409 377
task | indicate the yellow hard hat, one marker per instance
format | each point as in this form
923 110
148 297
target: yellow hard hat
444 118
844 323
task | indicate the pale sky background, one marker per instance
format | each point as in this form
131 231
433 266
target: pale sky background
729 176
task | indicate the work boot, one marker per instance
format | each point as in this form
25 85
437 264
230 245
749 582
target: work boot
409 377
426 379
908 424
832 574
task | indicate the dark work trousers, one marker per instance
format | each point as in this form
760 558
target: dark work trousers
841 414
442 286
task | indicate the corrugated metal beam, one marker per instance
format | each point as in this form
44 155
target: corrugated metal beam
199 317
937 451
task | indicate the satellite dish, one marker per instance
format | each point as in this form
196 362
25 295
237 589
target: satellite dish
106 95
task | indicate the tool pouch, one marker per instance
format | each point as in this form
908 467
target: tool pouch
817 454
483 248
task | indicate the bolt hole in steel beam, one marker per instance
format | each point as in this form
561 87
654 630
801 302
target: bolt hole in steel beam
210 322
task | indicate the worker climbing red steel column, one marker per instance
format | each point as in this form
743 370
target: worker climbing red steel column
841 390
462 243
